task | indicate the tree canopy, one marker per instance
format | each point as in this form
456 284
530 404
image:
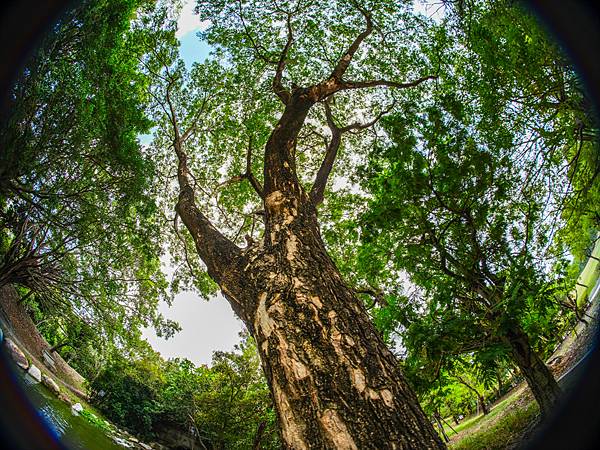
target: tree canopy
352 176
80 229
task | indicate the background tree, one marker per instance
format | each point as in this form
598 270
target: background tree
501 125
457 219
226 405
78 223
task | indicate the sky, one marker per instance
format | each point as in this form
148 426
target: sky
206 325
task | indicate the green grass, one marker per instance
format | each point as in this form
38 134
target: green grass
96 420
503 432
505 423
473 421
589 275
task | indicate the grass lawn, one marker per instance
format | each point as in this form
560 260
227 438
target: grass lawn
503 426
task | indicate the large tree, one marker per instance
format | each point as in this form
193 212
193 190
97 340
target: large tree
469 195
294 71
450 215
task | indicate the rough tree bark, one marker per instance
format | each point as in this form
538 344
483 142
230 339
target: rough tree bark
334 382
542 383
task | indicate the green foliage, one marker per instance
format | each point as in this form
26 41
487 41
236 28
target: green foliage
223 404
131 389
530 84
236 401
78 221
96 421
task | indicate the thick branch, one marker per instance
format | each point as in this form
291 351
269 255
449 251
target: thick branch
278 88
347 85
218 253
344 62
317 191
318 188
249 175
377 296
335 83
279 163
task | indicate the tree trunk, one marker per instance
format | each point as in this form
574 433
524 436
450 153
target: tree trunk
259 434
484 407
437 418
480 398
544 387
57 347
334 382
500 384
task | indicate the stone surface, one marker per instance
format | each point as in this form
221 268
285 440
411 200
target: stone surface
16 354
50 384
157 446
76 409
34 373
49 360
122 442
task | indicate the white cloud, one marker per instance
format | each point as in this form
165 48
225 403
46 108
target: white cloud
188 21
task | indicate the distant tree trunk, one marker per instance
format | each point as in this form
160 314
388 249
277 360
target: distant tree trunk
334 382
542 383
437 418
259 434
480 398
57 347
500 384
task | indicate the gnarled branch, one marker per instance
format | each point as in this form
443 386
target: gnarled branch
249 175
377 295
317 191
347 85
344 62
215 249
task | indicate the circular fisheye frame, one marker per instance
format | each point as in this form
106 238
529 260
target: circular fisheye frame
575 425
